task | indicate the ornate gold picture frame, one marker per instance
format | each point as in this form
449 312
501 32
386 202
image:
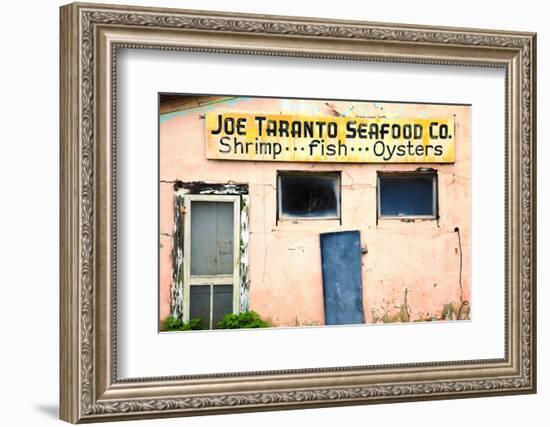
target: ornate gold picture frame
92 36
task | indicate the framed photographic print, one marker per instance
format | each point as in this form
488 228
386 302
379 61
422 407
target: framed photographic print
266 212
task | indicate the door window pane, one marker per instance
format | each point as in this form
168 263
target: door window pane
407 195
199 303
223 302
211 238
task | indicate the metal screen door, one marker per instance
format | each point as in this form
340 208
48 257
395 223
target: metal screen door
211 255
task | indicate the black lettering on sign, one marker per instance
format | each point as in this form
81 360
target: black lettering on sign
227 147
350 129
439 131
230 125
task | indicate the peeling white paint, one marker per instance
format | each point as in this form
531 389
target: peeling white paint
176 291
245 283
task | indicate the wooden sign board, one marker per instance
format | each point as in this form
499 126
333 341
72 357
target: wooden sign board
295 138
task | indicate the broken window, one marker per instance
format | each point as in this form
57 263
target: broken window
407 194
308 195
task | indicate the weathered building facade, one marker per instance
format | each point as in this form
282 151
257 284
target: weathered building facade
260 246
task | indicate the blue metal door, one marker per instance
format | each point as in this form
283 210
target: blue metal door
342 285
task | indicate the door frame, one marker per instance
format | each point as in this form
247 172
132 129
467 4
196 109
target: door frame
189 280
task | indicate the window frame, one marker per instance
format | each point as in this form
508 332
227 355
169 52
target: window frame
403 175
211 280
283 217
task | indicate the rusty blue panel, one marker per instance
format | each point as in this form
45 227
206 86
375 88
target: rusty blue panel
342 285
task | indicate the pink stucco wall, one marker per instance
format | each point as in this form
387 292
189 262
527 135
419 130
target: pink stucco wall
419 259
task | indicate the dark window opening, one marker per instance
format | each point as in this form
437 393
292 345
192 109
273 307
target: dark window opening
407 195
309 195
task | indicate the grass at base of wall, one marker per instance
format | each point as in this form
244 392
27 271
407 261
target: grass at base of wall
244 320
173 324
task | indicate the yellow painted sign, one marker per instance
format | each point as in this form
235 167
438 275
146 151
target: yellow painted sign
295 138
